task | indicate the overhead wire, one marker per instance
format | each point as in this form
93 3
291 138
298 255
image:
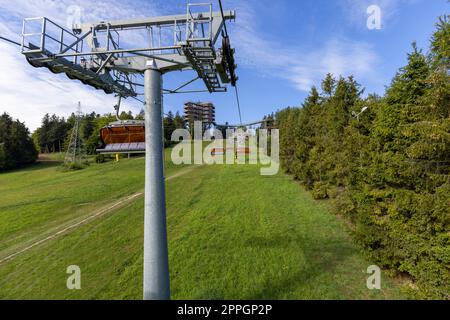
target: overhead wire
13 42
223 18
235 86
238 103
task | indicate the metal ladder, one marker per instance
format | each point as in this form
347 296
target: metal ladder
202 60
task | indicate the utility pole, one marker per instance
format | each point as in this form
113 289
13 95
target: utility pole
156 264
74 152
105 65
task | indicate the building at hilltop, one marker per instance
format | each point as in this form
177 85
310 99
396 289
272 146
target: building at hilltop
204 112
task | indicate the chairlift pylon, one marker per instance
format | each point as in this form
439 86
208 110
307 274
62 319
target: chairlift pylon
105 65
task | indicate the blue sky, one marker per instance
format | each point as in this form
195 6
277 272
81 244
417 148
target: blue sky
283 47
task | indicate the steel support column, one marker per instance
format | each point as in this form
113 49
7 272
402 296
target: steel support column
156 264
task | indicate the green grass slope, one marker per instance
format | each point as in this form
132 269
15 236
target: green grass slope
233 234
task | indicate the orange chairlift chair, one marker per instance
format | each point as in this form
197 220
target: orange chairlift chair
123 136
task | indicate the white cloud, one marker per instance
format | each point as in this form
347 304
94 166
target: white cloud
356 10
60 10
63 12
303 68
27 93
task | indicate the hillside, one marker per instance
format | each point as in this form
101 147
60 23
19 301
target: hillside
232 235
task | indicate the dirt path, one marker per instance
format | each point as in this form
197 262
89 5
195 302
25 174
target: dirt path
181 173
117 205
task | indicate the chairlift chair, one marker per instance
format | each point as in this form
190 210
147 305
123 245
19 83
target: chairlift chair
123 136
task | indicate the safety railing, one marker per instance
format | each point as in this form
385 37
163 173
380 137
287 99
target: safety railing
43 36
198 26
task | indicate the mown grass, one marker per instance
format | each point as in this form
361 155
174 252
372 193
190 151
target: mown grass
57 156
36 200
233 234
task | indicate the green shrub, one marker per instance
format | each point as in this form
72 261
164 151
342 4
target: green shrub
320 191
388 171
344 205
75 166
100 158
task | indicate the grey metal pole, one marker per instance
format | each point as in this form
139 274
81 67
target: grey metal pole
156 264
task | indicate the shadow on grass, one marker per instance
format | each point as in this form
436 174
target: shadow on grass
321 256
38 165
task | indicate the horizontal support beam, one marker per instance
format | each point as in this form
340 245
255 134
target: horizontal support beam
115 52
190 91
153 21
138 63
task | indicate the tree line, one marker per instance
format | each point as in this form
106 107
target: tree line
19 148
54 133
16 147
385 162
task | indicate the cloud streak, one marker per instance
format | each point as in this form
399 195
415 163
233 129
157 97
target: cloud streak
302 68
356 10
28 93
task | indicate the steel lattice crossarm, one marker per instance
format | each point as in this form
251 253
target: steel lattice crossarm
104 54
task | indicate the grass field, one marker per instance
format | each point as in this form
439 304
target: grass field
233 234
